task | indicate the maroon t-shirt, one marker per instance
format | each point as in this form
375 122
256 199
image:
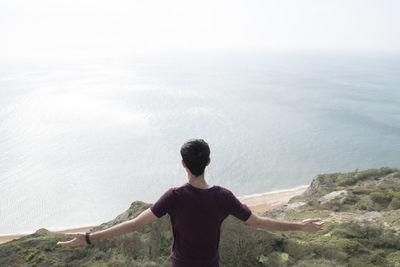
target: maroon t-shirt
196 217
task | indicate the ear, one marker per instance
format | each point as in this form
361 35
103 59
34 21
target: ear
183 164
209 160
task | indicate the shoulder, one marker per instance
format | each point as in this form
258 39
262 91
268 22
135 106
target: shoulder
177 190
223 191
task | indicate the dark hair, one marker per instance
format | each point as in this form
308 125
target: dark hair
195 153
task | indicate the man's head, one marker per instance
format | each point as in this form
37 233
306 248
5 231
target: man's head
196 155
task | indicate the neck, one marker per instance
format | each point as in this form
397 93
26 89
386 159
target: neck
197 181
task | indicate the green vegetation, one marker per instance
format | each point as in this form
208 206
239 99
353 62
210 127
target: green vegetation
393 257
362 229
354 177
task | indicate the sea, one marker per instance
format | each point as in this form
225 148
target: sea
81 139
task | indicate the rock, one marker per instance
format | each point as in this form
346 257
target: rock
291 206
286 207
328 197
314 186
320 183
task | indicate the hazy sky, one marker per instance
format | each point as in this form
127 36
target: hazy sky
58 28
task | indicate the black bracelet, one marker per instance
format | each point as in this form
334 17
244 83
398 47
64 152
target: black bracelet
87 238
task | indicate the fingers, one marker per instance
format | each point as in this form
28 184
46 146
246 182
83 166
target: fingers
313 225
314 220
320 226
70 242
66 243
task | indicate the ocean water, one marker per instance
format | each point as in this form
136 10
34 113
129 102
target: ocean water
81 140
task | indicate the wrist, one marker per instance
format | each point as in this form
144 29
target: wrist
299 226
87 237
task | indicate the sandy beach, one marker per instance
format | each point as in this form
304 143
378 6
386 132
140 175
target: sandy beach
262 203
258 204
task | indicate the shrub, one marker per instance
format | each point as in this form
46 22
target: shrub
316 263
360 190
349 246
374 173
274 259
371 232
384 239
346 179
295 249
381 198
365 203
353 177
303 214
332 254
350 199
348 230
393 257
395 203
30 256
241 245
377 258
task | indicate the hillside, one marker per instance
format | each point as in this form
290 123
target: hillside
361 210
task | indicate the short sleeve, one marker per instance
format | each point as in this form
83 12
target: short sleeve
235 207
163 205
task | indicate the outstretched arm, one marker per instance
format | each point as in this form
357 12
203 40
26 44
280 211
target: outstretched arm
308 225
145 218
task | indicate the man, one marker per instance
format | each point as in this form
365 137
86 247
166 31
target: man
197 211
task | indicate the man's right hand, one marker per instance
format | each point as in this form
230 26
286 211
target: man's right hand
310 225
79 239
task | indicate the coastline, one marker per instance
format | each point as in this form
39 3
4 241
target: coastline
258 203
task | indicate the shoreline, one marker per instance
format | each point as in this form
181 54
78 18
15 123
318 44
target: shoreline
258 203
273 192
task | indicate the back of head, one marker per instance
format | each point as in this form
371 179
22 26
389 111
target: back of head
196 153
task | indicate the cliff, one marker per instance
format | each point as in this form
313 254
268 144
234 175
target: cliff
361 211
